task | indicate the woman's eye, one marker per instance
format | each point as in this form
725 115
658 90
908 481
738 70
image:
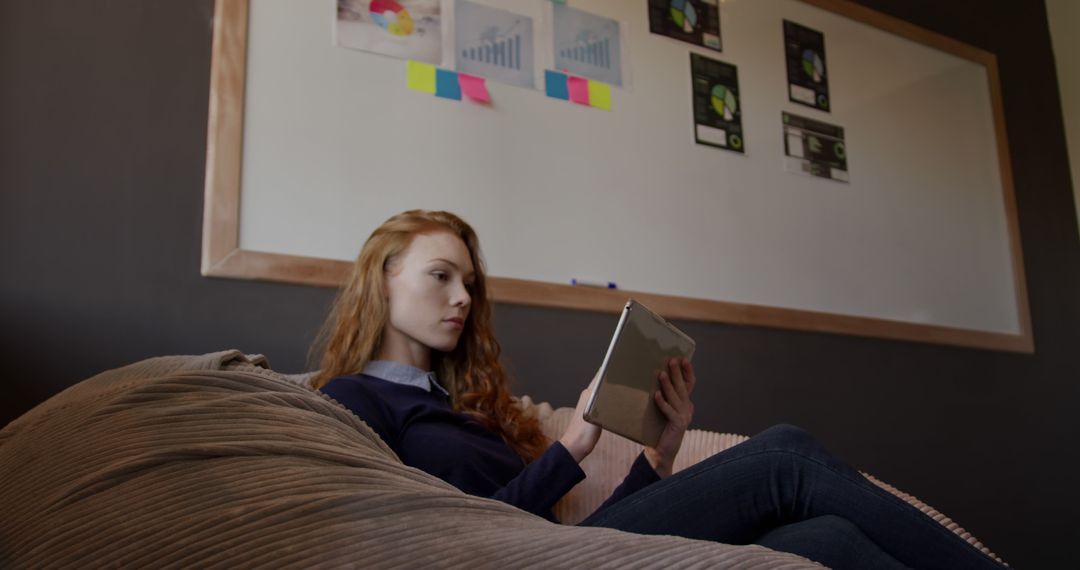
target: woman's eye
440 275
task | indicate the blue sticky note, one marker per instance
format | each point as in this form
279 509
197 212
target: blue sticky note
555 84
446 84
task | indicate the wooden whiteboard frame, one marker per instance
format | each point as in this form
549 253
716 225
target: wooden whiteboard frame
222 256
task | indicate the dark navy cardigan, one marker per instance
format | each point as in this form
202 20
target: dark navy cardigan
426 433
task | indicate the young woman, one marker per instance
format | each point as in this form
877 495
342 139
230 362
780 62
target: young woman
409 348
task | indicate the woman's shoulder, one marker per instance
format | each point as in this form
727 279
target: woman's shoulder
366 390
354 385
366 397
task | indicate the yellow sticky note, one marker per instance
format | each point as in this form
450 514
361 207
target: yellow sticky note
600 95
422 77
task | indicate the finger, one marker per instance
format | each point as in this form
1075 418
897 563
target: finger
677 380
677 418
582 401
689 375
595 380
665 407
669 393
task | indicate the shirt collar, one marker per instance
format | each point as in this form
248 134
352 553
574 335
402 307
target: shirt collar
404 374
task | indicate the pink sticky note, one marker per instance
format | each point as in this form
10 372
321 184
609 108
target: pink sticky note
579 89
474 87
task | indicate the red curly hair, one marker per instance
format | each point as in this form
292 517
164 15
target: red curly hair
471 372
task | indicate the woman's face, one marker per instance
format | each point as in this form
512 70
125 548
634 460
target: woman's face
430 293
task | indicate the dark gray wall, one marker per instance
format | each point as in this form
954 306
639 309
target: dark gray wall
102 141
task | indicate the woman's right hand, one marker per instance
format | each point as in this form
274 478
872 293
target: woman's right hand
580 436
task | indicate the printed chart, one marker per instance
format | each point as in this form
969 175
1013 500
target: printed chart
587 45
814 148
717 118
408 29
808 82
494 43
693 21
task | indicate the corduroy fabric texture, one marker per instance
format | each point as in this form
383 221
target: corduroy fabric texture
217 462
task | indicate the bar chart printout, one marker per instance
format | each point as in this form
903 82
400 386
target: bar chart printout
494 43
587 45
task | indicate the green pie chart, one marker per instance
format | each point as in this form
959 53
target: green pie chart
684 15
724 102
813 66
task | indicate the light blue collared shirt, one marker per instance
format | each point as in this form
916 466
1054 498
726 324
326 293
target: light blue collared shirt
399 373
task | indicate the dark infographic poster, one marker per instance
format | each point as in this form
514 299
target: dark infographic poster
814 148
717 110
808 81
692 21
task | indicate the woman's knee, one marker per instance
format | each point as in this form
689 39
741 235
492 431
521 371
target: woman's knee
788 436
792 441
782 446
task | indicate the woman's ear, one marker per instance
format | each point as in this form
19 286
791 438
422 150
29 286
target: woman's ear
391 268
384 281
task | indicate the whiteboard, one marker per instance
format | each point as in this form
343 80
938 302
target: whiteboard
334 144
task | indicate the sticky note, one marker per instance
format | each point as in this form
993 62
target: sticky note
555 84
579 89
421 76
600 95
474 87
446 84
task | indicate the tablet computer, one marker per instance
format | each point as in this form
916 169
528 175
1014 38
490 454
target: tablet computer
622 399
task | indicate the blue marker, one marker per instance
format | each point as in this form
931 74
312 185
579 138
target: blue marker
598 284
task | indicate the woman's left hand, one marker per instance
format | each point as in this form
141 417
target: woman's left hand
673 399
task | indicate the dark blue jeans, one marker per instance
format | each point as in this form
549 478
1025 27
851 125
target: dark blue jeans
782 489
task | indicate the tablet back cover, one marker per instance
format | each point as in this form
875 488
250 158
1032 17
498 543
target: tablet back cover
623 400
